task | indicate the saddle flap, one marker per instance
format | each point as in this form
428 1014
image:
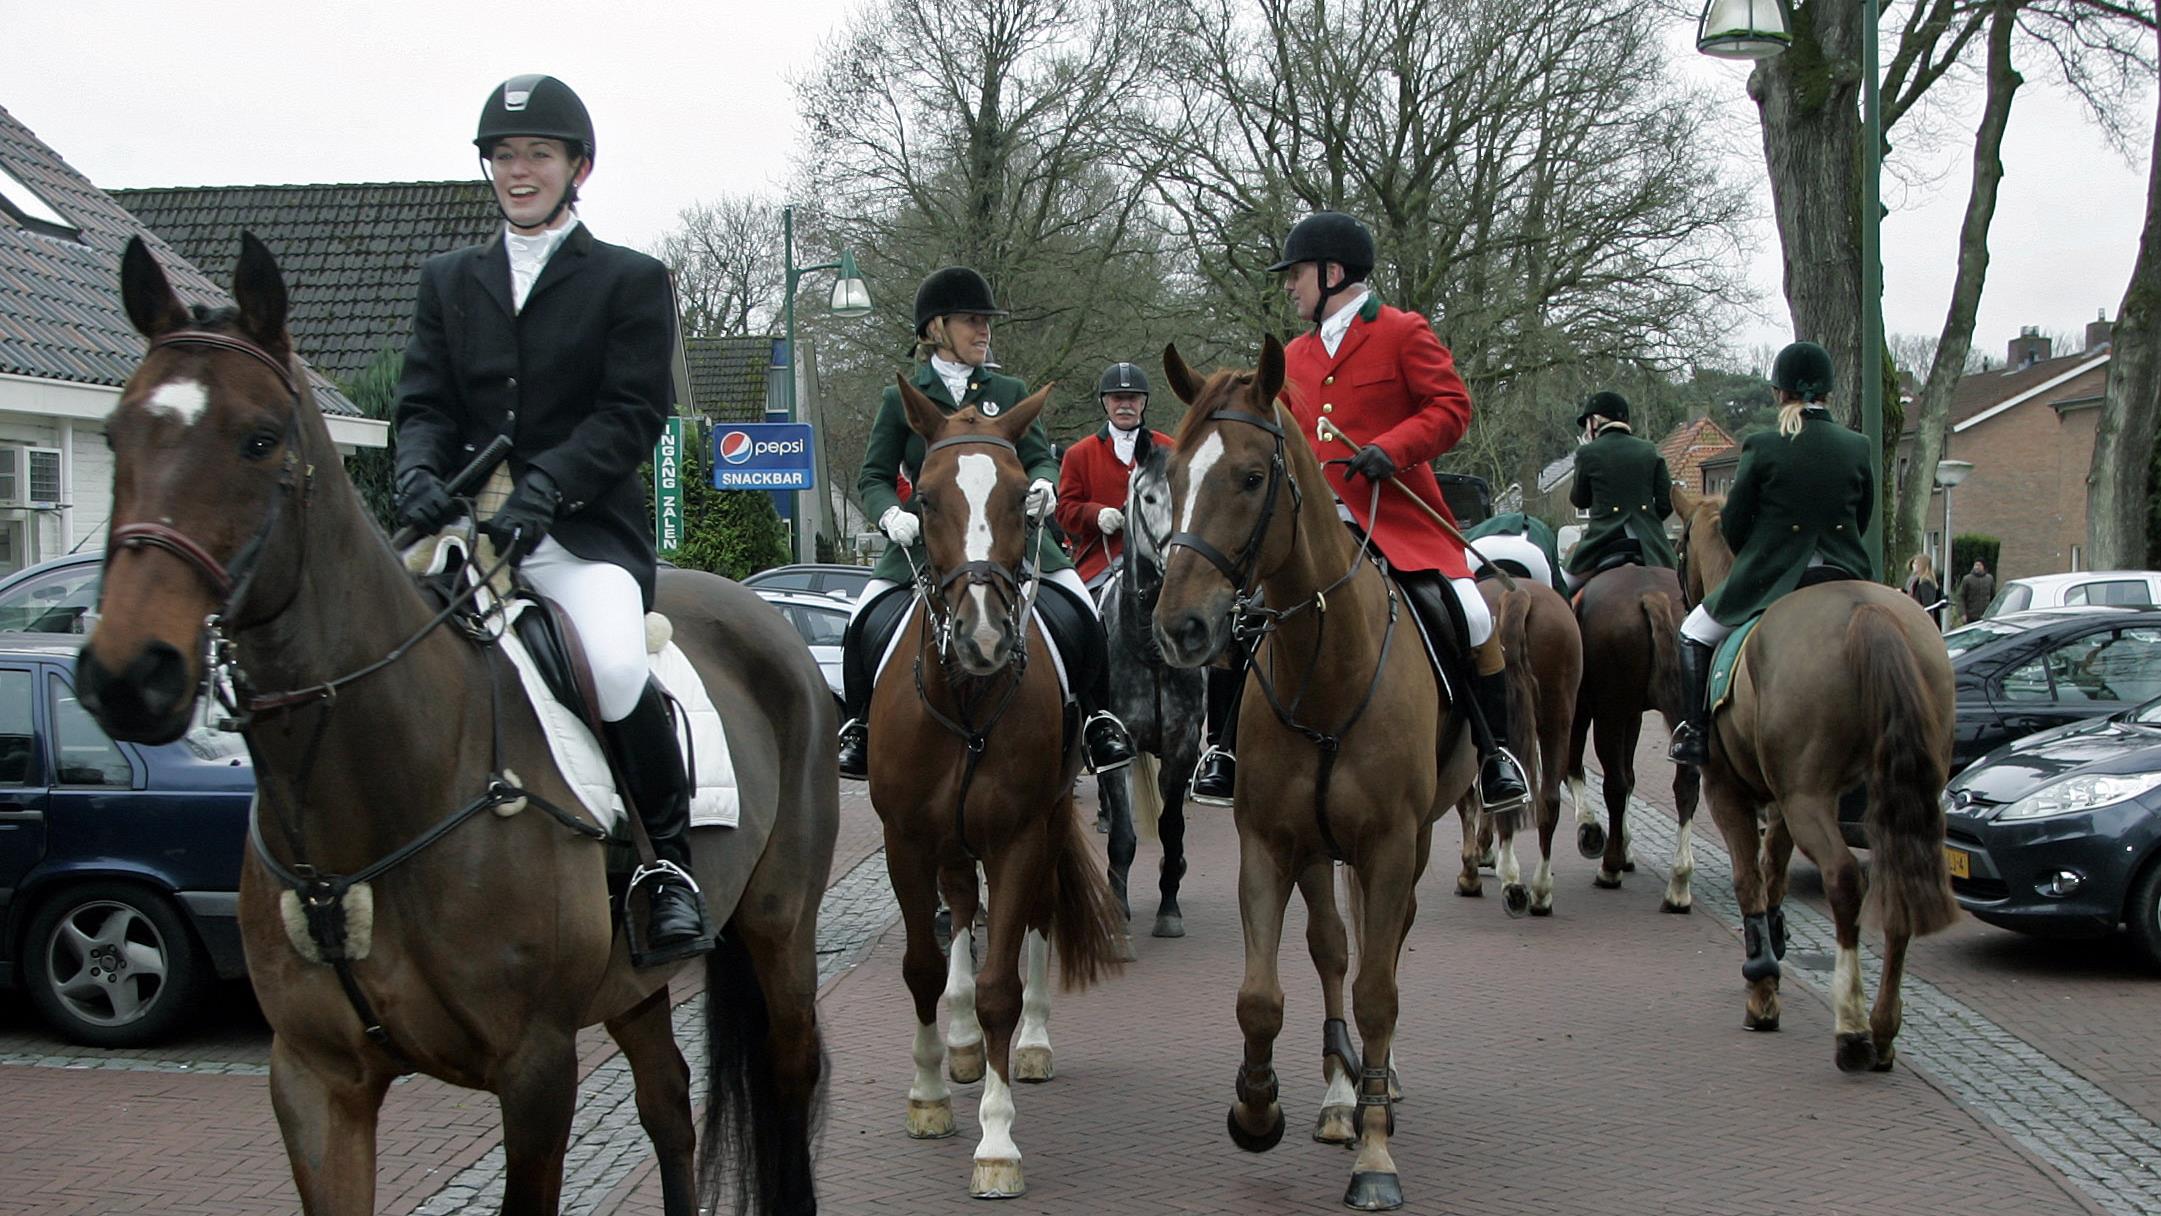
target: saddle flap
552 640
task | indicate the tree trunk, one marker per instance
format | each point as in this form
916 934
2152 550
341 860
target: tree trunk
1909 523
1809 102
2117 483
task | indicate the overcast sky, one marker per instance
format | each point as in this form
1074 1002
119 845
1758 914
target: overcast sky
693 101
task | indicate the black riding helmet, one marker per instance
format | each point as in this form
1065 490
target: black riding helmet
953 289
1122 378
1607 404
1803 369
538 107
1329 236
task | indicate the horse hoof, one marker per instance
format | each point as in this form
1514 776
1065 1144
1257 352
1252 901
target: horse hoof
1542 909
1334 1126
1033 1065
1126 952
1628 865
1265 1140
964 1063
1667 905
1170 924
1103 824
1487 859
994 1178
1856 1053
1886 1056
1472 890
930 1120
1515 900
1590 841
1373 1192
1606 882
1762 1023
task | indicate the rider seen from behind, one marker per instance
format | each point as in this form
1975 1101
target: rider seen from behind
1381 377
1623 482
953 312
1796 515
560 342
1093 477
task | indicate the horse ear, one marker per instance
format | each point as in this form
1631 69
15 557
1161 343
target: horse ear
259 288
1182 380
1683 502
148 294
924 416
1015 422
1271 374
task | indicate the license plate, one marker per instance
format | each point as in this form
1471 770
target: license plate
1958 862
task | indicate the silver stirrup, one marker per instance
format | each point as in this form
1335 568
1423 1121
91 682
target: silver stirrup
660 869
1207 753
1522 778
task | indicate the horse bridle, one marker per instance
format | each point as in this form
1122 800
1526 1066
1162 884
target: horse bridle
1243 572
1004 580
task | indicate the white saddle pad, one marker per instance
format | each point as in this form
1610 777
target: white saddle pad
714 800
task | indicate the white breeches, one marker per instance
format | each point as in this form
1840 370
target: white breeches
604 604
1476 617
1702 627
1521 550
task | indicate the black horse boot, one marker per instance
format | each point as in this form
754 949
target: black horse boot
1215 778
1692 738
652 764
1501 782
855 727
1102 734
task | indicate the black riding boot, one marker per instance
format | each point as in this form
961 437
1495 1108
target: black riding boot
1501 783
855 696
1692 738
652 763
1102 734
1215 778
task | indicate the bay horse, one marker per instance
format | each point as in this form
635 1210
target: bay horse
1544 650
1164 708
1631 622
491 940
1348 747
962 770
1843 683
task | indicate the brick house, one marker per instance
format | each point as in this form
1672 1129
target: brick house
66 348
1689 446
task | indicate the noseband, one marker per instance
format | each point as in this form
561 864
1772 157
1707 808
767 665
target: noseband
1005 580
1242 571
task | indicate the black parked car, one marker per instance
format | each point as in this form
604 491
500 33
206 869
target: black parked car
2030 671
2060 832
119 863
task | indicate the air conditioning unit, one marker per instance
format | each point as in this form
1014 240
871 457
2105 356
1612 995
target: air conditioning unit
29 477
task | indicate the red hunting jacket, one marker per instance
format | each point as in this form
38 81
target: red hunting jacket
1090 478
1391 382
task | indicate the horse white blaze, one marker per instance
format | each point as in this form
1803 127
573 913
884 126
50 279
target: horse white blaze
182 399
1204 459
1852 1009
978 476
929 1084
1035 993
961 1027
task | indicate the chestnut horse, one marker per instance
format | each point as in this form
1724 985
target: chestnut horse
963 769
1631 621
392 757
1842 683
1545 666
1348 747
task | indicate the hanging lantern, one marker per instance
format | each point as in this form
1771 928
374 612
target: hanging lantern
1744 29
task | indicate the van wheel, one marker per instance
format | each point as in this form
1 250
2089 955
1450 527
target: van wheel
111 964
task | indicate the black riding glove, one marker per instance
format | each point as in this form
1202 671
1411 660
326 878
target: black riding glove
424 504
1373 464
525 517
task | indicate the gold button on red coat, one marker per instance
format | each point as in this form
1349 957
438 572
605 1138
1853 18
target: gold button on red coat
1328 380
1327 408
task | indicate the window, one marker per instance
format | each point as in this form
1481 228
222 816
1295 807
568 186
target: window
31 209
793 580
53 602
2114 591
86 755
18 734
2078 558
2113 666
818 626
2029 683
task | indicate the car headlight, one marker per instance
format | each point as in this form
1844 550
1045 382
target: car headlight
2086 792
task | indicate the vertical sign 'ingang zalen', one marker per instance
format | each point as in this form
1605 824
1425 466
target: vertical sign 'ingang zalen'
668 488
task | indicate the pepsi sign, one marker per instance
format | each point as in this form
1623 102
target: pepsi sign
763 456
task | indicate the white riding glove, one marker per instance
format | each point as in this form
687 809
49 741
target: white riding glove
1042 496
900 527
1109 520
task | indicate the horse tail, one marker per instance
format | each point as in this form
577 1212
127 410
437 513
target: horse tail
750 1124
1522 676
1665 627
1909 889
1147 795
1086 924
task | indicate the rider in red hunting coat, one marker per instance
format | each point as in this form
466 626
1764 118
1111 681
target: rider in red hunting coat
1093 477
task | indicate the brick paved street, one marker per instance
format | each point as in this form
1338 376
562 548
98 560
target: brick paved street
1593 1063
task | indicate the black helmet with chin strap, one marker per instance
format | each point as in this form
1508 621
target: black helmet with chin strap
1606 404
1122 378
1804 370
538 107
1329 236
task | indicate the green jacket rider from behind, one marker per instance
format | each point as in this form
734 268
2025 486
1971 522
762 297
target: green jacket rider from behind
1623 482
953 314
1801 499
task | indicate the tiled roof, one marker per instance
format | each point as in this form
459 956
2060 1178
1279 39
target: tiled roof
1556 471
728 376
351 253
1983 390
1689 445
60 311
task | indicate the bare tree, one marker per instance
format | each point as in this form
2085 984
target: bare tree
2118 485
726 259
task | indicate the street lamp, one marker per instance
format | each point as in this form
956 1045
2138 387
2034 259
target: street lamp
1948 474
850 298
1759 29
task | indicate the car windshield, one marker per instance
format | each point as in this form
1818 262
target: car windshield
2148 714
1966 637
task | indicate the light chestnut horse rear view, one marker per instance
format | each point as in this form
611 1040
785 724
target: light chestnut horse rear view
1843 683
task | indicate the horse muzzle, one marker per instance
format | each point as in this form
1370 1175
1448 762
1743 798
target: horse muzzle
983 640
150 699
1188 638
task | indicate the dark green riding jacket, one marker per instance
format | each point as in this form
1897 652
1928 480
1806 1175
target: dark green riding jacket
1536 530
1793 499
894 448
1623 482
